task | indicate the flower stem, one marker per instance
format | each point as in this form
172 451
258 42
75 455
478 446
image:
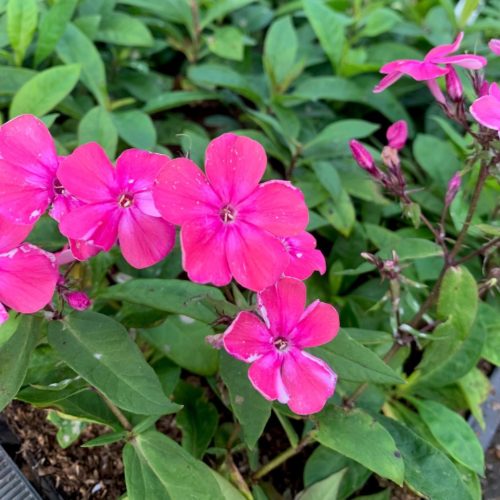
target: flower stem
116 411
282 457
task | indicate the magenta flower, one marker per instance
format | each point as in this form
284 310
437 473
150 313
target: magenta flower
28 275
494 46
28 165
429 68
274 345
118 203
486 109
77 300
230 225
397 134
304 257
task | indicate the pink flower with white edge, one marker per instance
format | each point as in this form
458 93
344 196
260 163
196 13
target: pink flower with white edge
230 224
28 275
486 109
28 165
304 257
494 46
274 345
117 203
430 68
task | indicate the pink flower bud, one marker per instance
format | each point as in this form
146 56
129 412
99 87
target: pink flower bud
453 188
78 300
484 89
364 159
494 46
454 85
397 134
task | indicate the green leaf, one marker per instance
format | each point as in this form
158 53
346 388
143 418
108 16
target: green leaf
226 42
135 128
490 320
197 420
200 302
12 79
220 9
45 91
9 327
326 488
427 470
14 357
101 351
328 177
157 467
280 52
52 28
22 18
329 28
476 388
340 213
379 21
249 407
75 47
354 362
410 249
104 439
453 433
183 340
176 99
118 28
98 126
378 453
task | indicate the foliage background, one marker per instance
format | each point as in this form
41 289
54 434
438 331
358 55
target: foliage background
168 75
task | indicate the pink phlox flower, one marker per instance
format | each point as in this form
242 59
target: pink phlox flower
28 165
117 204
230 224
494 46
28 275
274 345
486 109
305 258
429 68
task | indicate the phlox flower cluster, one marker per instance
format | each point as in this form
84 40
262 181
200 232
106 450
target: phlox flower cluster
232 226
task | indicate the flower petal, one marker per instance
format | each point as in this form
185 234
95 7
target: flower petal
81 250
309 381
234 166
247 338
28 278
387 81
282 305
265 376
318 325
465 60
136 170
304 258
88 174
277 207
494 45
443 50
423 71
256 258
144 240
494 90
11 234
203 245
182 192
486 110
97 224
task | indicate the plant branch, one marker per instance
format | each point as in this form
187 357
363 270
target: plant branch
116 411
491 244
282 458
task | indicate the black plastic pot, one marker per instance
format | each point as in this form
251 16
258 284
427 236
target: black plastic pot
13 485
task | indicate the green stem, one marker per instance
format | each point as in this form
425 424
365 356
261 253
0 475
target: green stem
116 411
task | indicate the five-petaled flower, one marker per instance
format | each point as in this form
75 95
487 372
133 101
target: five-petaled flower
28 275
230 225
274 345
117 203
436 63
486 109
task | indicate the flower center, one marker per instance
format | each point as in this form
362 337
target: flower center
58 187
228 214
125 200
281 344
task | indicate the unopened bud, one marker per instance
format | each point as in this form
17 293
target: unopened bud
484 89
494 46
77 300
364 159
453 188
397 134
454 85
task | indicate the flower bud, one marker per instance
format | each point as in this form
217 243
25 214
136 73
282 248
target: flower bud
364 159
494 46
77 300
397 134
453 188
454 85
484 89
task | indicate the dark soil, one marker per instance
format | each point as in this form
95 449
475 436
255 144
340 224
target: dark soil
491 484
